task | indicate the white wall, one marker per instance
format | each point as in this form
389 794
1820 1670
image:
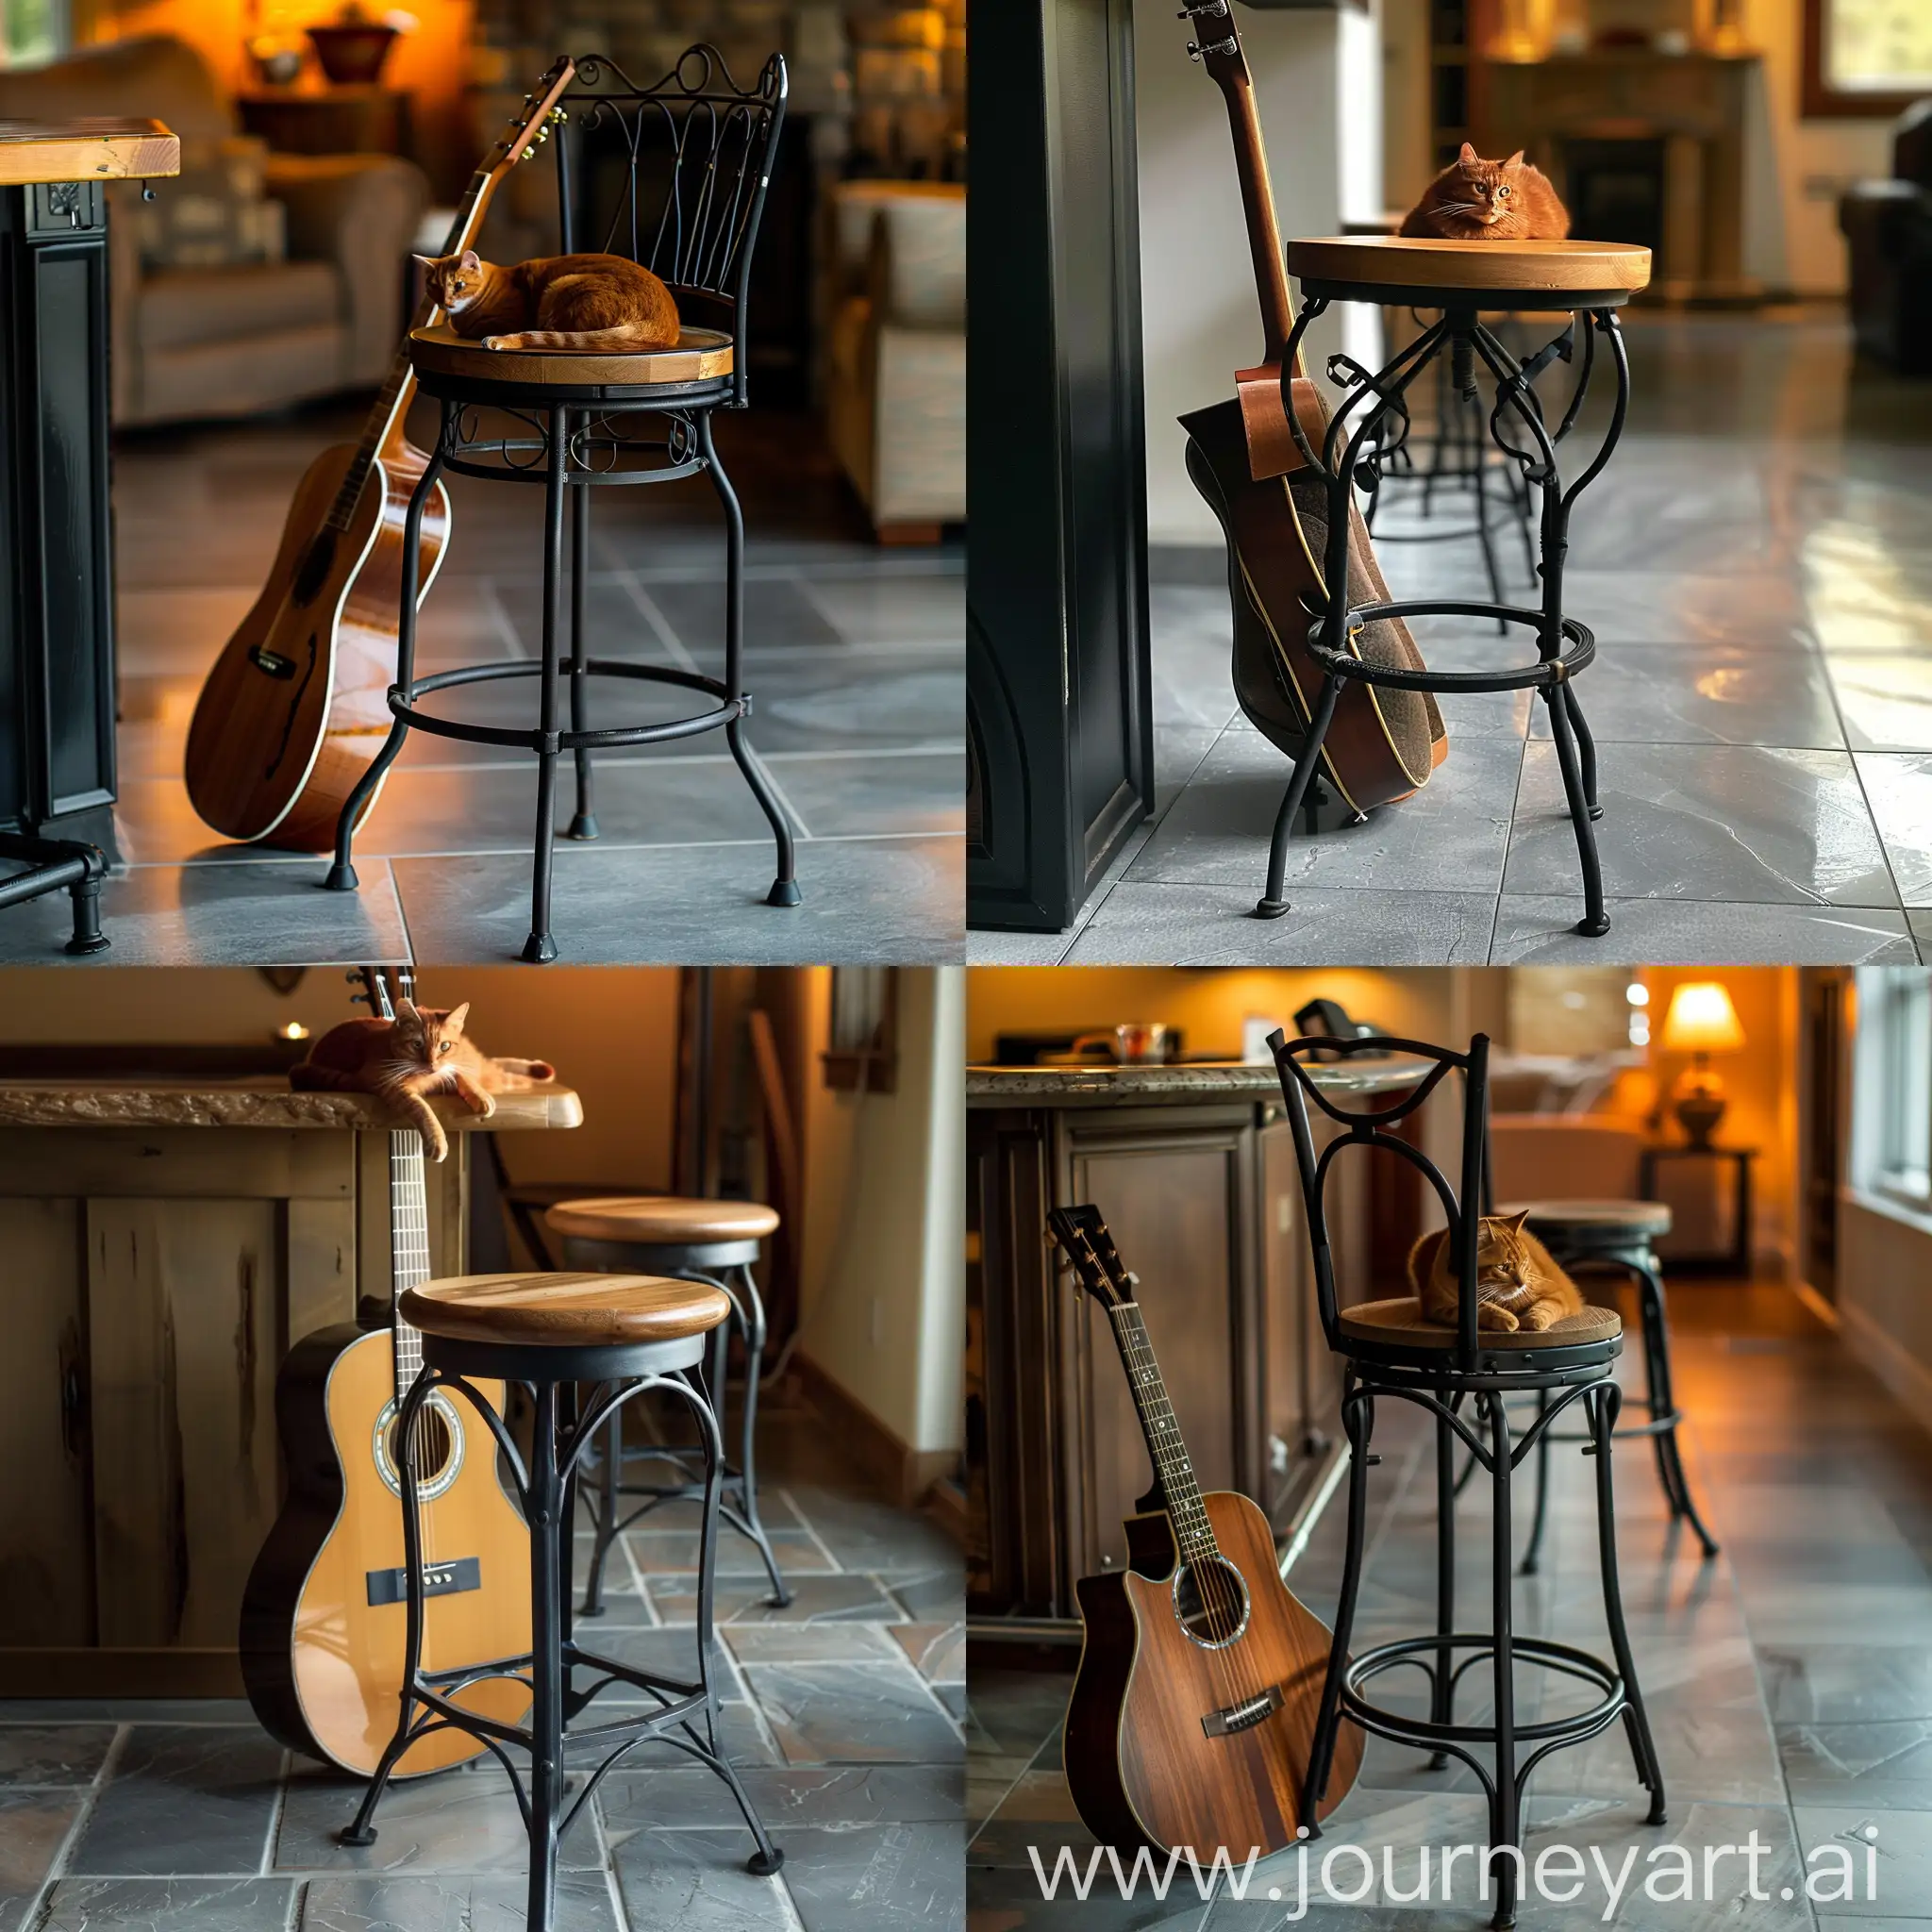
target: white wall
1884 1267
1318 86
884 1292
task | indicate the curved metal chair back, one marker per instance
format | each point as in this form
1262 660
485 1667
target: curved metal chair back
1369 1127
673 175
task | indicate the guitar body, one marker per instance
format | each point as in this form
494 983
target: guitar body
296 706
1382 744
323 1665
1141 1767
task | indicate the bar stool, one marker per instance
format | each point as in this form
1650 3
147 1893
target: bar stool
1389 1349
626 1335
1588 279
716 1242
1618 1235
675 177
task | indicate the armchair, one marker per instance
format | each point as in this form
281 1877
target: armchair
1888 228
228 340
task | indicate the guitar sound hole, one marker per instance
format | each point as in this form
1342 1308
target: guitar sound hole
1211 1601
436 1446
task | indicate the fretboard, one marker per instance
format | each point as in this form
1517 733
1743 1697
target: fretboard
385 420
408 1226
1171 1465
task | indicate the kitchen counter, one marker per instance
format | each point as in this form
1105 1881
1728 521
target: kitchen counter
266 1102
1106 1086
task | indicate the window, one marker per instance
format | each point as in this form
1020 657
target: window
31 31
1891 1085
1865 57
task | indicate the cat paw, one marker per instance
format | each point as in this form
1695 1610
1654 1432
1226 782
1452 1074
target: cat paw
486 1106
497 342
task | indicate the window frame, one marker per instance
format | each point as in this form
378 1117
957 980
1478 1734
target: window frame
1893 1005
1819 100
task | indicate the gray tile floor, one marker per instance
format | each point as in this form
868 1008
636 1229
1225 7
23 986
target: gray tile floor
844 1714
855 658
1789 1680
1757 568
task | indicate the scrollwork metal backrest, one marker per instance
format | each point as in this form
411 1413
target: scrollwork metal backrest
1369 1127
673 175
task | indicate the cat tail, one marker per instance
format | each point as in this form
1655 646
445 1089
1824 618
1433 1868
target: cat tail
626 338
421 1116
527 1069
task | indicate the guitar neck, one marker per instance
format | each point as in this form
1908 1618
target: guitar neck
382 433
1222 56
409 1223
1172 1466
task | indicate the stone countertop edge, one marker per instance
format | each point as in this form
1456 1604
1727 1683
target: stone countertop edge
254 1104
1103 1086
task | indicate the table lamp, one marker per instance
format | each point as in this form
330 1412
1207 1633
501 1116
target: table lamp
1701 1022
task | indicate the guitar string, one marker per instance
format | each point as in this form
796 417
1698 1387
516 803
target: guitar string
1187 1509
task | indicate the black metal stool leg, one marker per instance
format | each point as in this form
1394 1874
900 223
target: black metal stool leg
1532 1555
1586 748
1358 1421
752 1320
361 1829
1595 921
1272 904
1664 1402
583 822
547 1530
540 948
609 1474
341 873
785 887
1603 1402
1442 1679
86 894
1506 1828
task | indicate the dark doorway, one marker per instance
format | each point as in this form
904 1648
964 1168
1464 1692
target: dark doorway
1615 190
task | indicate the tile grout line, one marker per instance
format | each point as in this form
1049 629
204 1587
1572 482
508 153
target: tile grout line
42 1898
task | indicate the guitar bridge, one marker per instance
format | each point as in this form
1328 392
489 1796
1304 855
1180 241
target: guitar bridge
439 1579
272 661
1242 1717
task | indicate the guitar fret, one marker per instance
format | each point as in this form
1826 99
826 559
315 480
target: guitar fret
1187 1511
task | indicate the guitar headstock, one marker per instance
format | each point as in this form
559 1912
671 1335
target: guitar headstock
1089 1247
1219 48
529 128
382 988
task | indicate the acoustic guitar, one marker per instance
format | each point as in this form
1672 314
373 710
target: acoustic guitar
322 1613
296 706
1194 1710
1272 509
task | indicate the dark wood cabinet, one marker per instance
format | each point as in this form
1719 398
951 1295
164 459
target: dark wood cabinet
1205 1204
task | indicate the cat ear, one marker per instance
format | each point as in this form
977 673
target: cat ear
1515 1222
429 261
452 1020
1468 156
470 259
408 1016
1515 161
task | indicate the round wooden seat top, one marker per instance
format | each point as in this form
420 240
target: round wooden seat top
1597 1218
701 355
558 1310
1479 275
1401 1321
668 1221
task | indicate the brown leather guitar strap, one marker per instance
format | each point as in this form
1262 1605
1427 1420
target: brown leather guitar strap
1272 448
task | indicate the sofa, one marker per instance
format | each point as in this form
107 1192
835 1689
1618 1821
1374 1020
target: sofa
1888 230
895 390
263 309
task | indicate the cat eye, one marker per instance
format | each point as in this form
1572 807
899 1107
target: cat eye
446 1045
1502 193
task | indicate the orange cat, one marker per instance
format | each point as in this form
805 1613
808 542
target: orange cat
420 1052
1474 200
1518 1284
582 302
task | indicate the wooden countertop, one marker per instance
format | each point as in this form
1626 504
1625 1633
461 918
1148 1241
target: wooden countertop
86 150
149 1101
1105 1086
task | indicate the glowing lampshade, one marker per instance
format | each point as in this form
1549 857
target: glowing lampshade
1702 1020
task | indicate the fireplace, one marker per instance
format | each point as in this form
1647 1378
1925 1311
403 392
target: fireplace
1643 147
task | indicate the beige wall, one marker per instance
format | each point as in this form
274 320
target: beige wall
1884 1264
884 1277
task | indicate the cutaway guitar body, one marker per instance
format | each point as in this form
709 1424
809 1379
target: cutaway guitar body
1140 1759
322 1662
296 706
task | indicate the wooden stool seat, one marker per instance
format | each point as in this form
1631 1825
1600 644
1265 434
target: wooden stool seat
701 355
1594 1219
1470 274
1401 1321
565 1310
670 1221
